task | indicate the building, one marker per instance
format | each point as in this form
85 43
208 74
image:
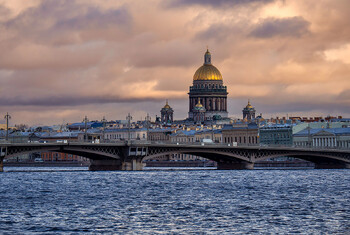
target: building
242 134
198 113
276 134
208 90
82 125
167 114
248 112
60 137
323 138
183 136
159 134
213 134
113 135
317 125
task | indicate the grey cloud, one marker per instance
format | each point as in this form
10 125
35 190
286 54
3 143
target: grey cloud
94 18
286 27
345 95
215 3
220 32
4 12
53 20
305 107
54 101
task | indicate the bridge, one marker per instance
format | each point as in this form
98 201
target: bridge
130 155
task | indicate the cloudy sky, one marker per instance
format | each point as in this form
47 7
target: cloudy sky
63 59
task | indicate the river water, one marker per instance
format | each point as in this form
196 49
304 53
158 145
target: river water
76 201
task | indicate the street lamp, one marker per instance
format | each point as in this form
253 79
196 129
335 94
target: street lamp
129 118
7 117
85 120
103 128
148 119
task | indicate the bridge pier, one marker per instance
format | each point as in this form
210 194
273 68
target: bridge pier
134 164
235 166
1 164
105 165
332 165
116 165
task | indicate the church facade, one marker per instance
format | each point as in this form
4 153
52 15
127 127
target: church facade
208 91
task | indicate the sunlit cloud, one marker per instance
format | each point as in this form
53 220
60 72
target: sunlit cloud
61 60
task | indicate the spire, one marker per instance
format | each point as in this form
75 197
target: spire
249 106
207 57
166 106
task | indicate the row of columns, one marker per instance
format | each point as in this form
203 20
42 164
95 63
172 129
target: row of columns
166 117
210 103
324 142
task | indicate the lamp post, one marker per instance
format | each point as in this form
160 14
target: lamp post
103 128
85 134
7 117
129 118
148 119
308 136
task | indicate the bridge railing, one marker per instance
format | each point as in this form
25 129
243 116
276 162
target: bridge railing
148 142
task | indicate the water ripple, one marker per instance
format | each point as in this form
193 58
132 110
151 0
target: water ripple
190 202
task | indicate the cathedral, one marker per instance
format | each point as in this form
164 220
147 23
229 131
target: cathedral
248 112
208 95
166 114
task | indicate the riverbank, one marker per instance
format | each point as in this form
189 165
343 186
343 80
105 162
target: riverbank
213 164
264 164
47 164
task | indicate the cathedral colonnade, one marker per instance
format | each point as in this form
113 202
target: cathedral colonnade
210 104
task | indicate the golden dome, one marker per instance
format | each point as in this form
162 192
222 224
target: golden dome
249 106
166 106
199 105
207 71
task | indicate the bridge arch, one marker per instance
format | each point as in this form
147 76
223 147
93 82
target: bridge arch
321 160
91 153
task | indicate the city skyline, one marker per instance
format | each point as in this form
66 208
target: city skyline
62 60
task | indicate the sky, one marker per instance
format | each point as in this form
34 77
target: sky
63 59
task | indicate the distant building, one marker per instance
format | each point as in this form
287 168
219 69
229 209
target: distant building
248 112
213 134
183 136
159 134
112 135
199 113
167 114
244 134
323 138
81 125
60 136
276 134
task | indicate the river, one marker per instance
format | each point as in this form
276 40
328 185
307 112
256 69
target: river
77 201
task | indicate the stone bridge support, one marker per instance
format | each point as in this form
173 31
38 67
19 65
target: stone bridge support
134 164
243 165
105 165
1 164
128 159
2 156
332 165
